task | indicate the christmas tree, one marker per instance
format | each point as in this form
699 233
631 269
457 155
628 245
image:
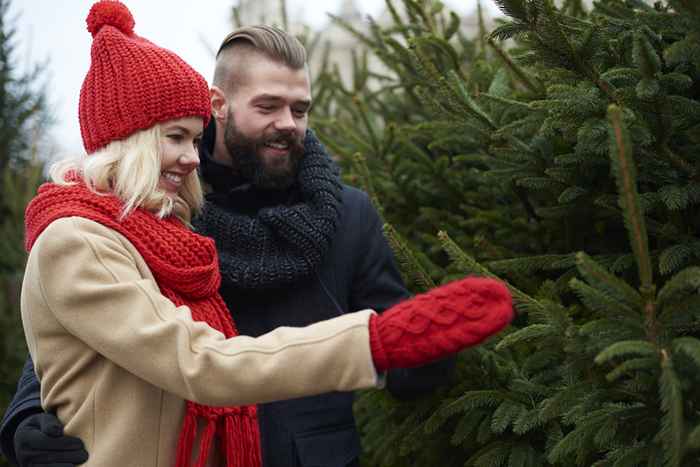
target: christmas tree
557 151
23 121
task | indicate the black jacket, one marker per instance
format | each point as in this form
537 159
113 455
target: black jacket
357 273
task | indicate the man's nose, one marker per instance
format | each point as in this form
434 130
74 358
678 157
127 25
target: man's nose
285 121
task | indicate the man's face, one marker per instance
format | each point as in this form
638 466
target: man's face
266 121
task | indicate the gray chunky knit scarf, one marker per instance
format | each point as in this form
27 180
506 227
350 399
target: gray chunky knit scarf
279 245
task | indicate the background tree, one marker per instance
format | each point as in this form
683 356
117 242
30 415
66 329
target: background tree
560 153
23 122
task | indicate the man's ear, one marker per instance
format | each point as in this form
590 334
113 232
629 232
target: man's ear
219 106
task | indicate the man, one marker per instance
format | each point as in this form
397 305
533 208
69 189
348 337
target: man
296 246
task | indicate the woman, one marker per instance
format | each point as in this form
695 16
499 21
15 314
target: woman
134 347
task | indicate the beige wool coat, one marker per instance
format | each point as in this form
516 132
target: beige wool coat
117 360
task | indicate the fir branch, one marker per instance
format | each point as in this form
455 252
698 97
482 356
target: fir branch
510 103
284 15
672 423
576 440
689 346
693 441
493 454
453 26
464 431
361 37
562 401
364 113
456 83
534 331
602 301
482 28
627 456
360 167
505 415
532 264
397 20
645 57
469 265
626 178
598 277
623 348
629 367
415 9
534 85
682 284
677 161
516 9
410 264
527 422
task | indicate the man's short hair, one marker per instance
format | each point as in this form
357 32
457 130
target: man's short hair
273 42
269 41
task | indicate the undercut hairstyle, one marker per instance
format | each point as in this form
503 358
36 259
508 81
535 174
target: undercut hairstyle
130 169
268 41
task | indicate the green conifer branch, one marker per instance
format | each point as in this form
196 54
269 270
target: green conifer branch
625 175
675 160
411 267
534 331
631 366
361 168
672 424
416 9
397 20
361 37
602 301
597 276
693 441
514 8
623 348
236 17
364 113
689 5
284 15
690 346
645 57
554 26
453 26
456 84
679 286
469 265
531 83
482 28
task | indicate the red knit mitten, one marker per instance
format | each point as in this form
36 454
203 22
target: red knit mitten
439 323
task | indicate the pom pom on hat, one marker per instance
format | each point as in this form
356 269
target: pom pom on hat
133 84
110 13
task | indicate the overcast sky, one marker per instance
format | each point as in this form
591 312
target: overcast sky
55 30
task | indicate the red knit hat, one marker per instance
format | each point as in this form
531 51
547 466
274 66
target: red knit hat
132 83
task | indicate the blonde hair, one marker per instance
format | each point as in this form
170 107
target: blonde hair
130 169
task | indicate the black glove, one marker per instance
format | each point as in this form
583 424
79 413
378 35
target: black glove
40 442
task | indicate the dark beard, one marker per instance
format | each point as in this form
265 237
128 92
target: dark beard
245 155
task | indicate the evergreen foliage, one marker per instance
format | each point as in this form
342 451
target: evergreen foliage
23 121
558 151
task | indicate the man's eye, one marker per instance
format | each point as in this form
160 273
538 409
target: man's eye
176 138
266 108
300 113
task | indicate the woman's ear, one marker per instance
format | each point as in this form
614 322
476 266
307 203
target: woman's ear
219 107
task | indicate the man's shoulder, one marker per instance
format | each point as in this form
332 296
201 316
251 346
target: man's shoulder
353 196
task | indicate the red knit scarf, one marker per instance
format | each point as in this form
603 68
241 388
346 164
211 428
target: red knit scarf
185 266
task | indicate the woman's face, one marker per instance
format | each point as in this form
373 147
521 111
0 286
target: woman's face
178 152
